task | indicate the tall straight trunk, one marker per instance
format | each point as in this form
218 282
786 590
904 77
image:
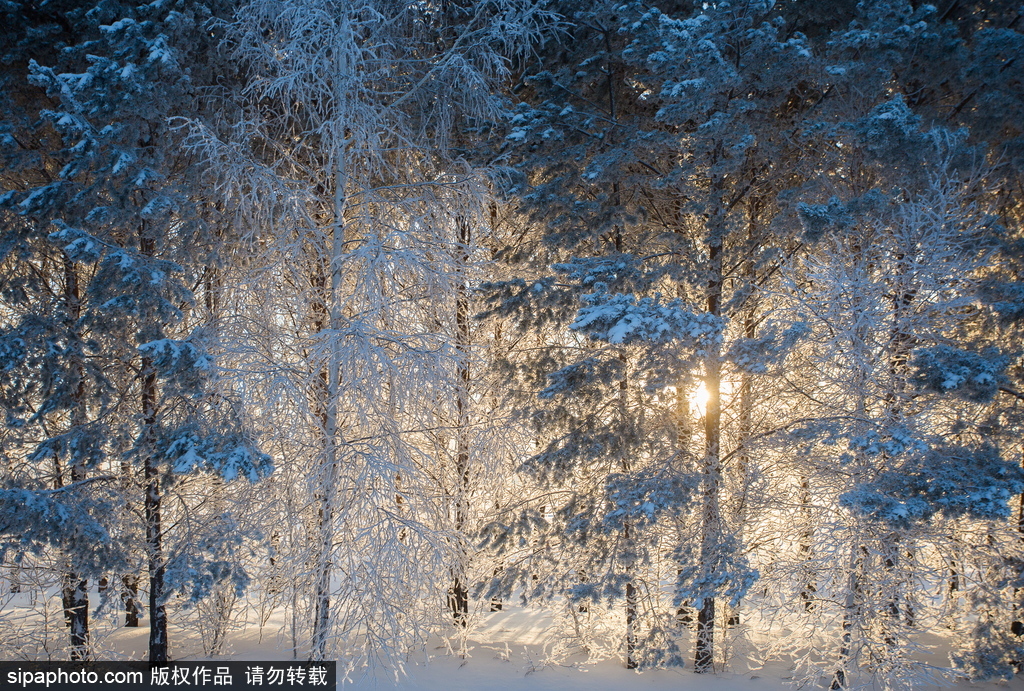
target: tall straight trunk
684 443
625 466
629 539
805 549
631 593
331 469
153 500
901 343
154 533
684 438
746 393
851 613
855 578
459 599
129 581
744 425
75 594
853 602
711 516
223 596
631 617
496 602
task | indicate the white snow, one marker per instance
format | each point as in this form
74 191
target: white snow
508 650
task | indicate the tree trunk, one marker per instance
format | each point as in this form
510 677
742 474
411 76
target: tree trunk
154 549
154 527
75 594
711 517
153 499
459 599
684 438
807 593
331 469
851 613
745 432
631 616
129 581
684 461
130 599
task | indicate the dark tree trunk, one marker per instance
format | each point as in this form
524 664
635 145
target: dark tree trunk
711 518
75 593
807 593
631 617
154 528
75 598
130 598
152 504
459 597
851 612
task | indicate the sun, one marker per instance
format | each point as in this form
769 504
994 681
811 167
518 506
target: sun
699 399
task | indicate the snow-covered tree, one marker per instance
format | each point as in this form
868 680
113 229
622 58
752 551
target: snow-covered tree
364 218
118 381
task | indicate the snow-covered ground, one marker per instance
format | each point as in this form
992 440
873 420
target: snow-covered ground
506 651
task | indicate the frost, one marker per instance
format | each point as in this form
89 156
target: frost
124 160
972 376
623 319
518 134
954 481
119 25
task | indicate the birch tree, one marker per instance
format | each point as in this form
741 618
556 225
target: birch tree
339 183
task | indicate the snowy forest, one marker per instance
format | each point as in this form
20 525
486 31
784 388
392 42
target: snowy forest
694 328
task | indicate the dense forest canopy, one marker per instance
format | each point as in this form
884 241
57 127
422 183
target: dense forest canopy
672 319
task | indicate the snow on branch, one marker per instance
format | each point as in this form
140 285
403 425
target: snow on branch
625 320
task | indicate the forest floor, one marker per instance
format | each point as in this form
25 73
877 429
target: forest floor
510 650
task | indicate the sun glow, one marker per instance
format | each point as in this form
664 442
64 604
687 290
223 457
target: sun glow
699 399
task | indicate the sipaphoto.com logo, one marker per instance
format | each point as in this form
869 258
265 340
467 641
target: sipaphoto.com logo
48 678
61 676
214 675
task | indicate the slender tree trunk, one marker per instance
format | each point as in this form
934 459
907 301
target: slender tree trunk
223 597
495 344
75 593
129 581
807 593
745 432
154 541
711 516
684 454
331 469
628 536
154 526
625 466
851 614
901 342
460 588
631 621
745 421
130 599
153 500
684 438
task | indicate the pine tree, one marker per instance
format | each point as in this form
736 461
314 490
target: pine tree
122 215
665 173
